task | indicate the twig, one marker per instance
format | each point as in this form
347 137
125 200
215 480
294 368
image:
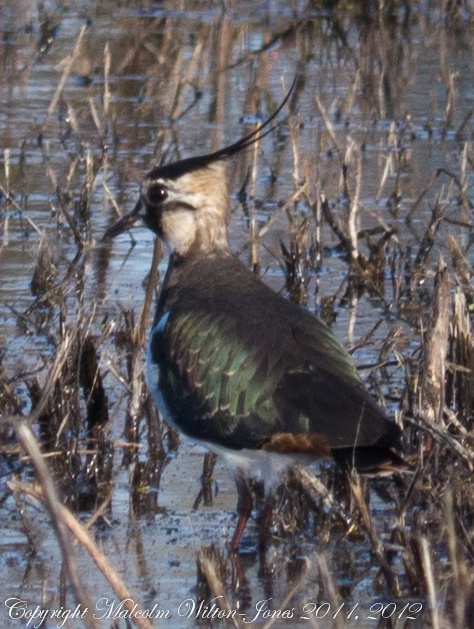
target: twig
335 225
53 375
294 197
101 561
151 285
441 436
9 197
56 511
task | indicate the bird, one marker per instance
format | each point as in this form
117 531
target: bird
236 366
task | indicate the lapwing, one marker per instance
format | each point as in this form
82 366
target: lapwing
234 365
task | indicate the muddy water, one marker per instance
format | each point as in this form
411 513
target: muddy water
156 81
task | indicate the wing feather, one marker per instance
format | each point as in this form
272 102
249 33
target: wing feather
240 365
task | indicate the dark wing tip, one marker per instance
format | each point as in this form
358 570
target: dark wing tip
370 460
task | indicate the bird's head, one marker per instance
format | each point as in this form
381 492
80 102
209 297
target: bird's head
186 203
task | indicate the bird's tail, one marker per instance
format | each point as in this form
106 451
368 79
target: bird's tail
370 460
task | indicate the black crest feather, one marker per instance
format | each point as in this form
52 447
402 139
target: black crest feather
177 169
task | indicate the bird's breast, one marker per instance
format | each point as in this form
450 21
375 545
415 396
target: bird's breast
153 372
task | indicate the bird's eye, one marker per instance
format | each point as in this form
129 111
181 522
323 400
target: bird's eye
156 194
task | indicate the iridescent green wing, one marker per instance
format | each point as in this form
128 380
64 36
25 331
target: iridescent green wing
215 385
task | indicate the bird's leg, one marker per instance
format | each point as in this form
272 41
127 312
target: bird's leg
265 520
244 509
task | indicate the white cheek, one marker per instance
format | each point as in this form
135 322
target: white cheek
179 229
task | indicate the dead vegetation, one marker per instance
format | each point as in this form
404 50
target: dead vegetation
344 229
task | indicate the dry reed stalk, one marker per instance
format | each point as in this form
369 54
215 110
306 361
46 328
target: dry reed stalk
156 450
437 174
55 509
108 196
142 325
377 546
45 271
450 109
387 230
135 366
335 225
462 580
351 322
93 388
463 357
415 205
464 183
464 270
106 97
388 169
429 237
11 200
96 119
298 585
6 167
51 455
328 125
317 491
295 138
175 81
71 172
330 589
61 201
27 526
72 118
284 208
430 582
82 536
216 587
253 222
413 574
351 94
69 61
442 436
6 191
205 493
54 372
192 66
137 384
463 124
435 350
